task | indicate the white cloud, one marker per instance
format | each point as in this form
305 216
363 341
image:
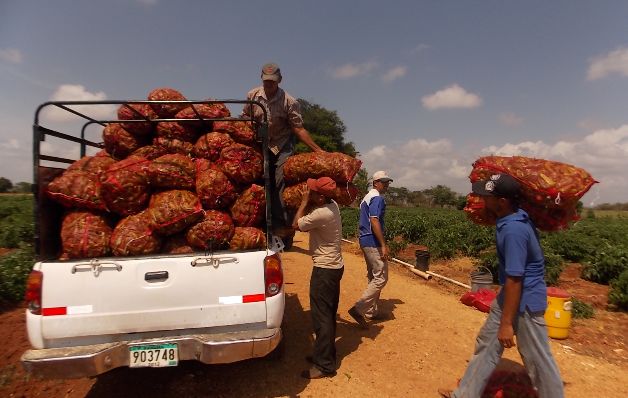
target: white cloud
603 153
510 119
452 96
420 164
11 55
613 62
11 144
348 71
394 73
418 49
77 92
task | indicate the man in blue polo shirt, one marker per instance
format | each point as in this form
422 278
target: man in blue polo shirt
374 248
520 305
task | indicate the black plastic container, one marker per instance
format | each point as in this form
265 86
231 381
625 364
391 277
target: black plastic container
422 260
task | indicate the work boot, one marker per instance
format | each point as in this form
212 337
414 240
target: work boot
358 318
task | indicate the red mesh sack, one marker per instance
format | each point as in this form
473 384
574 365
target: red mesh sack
206 112
211 144
137 112
344 194
476 212
125 186
213 187
173 145
176 244
247 238
216 110
119 142
172 211
150 152
508 384
544 183
550 190
166 110
92 164
240 131
335 165
176 130
250 208
84 235
174 171
241 163
544 218
77 189
213 232
132 237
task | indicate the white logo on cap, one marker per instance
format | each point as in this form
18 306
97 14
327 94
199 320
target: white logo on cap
495 177
489 186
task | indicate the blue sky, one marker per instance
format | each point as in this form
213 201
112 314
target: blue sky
424 87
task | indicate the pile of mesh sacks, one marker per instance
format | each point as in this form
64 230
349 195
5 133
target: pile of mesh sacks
165 186
550 190
177 186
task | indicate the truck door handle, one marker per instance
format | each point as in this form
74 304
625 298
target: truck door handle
156 276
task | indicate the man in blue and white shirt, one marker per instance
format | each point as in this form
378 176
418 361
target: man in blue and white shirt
373 245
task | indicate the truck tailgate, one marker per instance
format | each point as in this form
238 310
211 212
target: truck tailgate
128 295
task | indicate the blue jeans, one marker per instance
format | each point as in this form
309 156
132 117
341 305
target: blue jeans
533 346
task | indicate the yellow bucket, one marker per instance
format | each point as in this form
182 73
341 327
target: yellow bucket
558 313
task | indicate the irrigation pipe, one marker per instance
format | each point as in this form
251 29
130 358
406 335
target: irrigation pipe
412 269
425 274
455 282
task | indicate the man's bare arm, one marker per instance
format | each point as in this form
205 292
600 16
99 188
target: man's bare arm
512 297
305 137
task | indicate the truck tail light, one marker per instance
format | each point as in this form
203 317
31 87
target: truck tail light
273 275
33 291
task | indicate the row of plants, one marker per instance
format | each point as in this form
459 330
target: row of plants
16 233
600 244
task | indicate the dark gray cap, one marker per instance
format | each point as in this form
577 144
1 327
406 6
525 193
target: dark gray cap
500 185
271 71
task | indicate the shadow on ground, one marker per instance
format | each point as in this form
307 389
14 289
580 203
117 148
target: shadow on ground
261 377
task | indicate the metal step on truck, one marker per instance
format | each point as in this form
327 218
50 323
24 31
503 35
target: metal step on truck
87 316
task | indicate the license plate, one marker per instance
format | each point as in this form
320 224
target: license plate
153 355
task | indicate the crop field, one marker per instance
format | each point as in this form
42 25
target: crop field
600 243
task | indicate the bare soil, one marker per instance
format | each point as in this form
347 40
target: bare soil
424 344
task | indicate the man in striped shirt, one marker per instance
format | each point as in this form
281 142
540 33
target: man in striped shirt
284 123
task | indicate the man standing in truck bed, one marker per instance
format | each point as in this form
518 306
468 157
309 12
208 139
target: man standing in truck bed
285 122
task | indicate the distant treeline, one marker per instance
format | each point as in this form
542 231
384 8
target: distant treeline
612 206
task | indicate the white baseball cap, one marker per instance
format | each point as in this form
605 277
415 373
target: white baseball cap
381 176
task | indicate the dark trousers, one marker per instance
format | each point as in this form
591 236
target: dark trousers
324 297
278 208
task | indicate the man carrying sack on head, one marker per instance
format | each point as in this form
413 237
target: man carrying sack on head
520 304
320 216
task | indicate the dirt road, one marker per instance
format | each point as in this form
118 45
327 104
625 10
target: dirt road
424 345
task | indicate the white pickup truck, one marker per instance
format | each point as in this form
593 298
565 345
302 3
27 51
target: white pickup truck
88 316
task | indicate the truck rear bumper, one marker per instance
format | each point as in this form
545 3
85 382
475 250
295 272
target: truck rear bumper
92 360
